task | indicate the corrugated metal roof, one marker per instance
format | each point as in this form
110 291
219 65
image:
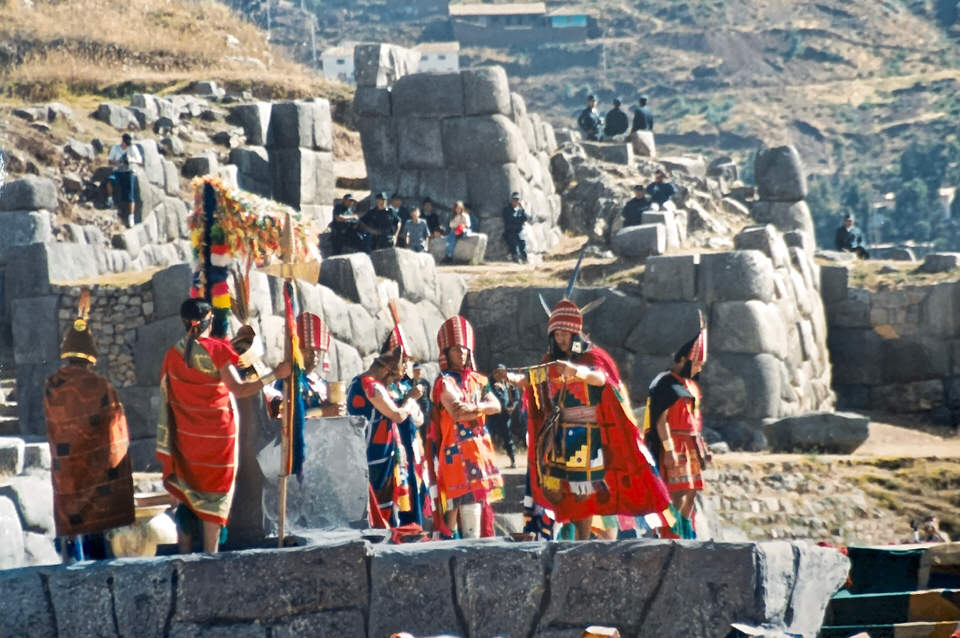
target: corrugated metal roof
519 8
339 52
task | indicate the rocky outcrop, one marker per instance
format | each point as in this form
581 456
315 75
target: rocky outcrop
768 356
346 587
461 136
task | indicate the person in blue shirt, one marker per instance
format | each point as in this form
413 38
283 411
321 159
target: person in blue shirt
589 120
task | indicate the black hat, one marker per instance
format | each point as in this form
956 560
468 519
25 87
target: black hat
592 97
396 196
381 195
616 101
426 200
848 216
349 196
500 366
514 195
643 98
417 365
638 187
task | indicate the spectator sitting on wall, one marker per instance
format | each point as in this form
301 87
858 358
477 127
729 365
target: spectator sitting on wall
929 531
123 181
432 217
381 224
346 235
660 191
849 239
616 121
415 232
460 226
642 117
589 120
636 207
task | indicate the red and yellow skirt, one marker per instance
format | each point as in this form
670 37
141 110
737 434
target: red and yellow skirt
687 472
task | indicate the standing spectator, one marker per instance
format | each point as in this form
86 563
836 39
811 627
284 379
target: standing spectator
345 230
514 217
500 424
589 120
415 232
660 191
432 217
381 223
616 121
636 207
402 213
849 239
642 117
460 225
124 157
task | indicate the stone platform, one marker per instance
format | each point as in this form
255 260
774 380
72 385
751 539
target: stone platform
345 586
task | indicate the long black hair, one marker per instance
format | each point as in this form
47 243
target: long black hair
578 345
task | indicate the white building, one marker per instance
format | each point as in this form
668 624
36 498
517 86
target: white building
439 57
338 63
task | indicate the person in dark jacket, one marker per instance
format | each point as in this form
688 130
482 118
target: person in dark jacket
616 121
429 213
346 235
500 424
381 223
660 190
589 120
642 117
636 207
514 217
849 239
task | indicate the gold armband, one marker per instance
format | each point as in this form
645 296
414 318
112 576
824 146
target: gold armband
268 378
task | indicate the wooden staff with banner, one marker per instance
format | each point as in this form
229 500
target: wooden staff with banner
289 269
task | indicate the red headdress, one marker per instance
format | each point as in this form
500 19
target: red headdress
313 333
456 331
566 315
696 349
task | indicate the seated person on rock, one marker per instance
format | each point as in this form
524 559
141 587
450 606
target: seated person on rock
660 191
432 217
930 532
345 230
636 207
460 225
123 181
616 121
381 224
415 232
589 120
849 239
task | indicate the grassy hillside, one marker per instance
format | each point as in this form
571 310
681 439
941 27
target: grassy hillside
53 49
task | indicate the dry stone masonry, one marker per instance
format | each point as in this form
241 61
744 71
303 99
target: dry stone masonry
781 190
347 587
768 335
459 136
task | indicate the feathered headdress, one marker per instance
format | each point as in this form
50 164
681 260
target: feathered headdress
566 315
696 349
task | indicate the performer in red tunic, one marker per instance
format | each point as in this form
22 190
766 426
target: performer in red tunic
586 453
197 432
674 427
459 449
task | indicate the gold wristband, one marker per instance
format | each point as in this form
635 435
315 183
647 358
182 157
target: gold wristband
268 379
668 446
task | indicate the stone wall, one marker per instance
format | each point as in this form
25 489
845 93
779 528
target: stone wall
347 587
461 136
135 324
768 356
894 350
781 190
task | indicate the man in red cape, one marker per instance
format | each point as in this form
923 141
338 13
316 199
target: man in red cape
586 452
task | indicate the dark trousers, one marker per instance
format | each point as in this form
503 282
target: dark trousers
516 244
